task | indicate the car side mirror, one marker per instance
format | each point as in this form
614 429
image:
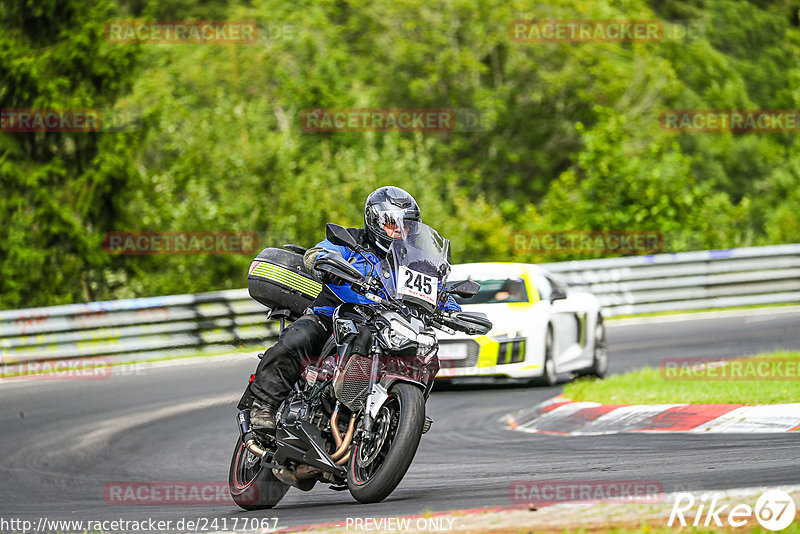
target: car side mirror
465 288
339 236
557 294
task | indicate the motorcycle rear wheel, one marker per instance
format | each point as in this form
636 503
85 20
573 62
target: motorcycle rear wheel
252 486
377 467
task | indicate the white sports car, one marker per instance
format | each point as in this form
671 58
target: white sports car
541 328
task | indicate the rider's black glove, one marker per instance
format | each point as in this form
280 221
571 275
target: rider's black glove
328 278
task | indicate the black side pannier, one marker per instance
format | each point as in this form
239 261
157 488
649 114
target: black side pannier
279 280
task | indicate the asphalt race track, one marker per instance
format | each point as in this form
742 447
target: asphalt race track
63 441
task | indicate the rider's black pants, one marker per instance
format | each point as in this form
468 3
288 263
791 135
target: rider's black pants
280 367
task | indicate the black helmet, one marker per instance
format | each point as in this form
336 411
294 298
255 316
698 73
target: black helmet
384 213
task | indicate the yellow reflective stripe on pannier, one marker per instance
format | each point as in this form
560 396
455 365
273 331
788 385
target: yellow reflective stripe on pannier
287 278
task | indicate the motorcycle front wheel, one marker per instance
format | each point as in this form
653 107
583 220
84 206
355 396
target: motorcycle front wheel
377 466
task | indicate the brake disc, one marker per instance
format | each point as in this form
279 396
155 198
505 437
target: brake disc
383 421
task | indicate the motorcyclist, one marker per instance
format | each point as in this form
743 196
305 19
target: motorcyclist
388 212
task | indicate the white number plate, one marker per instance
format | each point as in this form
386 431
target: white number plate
419 285
452 351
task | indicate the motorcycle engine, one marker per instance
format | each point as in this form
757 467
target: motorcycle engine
296 410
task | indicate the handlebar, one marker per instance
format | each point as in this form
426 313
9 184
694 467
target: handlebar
470 323
442 318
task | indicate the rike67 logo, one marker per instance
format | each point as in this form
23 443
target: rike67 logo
774 510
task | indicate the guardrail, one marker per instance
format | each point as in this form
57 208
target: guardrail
689 280
134 329
142 329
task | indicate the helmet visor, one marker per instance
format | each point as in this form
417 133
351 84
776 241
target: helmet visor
393 223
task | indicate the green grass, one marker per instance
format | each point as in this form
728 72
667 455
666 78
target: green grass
702 310
649 386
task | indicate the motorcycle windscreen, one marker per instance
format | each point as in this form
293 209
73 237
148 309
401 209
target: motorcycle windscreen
417 266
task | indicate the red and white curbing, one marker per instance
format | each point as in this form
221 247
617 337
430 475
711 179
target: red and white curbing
561 415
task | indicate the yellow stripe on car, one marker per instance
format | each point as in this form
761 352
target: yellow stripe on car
533 292
487 357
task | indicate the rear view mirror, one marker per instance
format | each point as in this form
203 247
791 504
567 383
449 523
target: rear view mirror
465 288
339 236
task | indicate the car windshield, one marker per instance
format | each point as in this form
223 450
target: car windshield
497 291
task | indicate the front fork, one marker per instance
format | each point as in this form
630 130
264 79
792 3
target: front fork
375 398
366 421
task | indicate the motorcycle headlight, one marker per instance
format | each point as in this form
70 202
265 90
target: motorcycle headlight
400 334
426 344
426 340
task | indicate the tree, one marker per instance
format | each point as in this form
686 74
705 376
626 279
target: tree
60 189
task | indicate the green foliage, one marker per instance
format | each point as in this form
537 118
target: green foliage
59 189
619 185
573 142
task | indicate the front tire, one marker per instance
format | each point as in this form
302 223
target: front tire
377 467
253 487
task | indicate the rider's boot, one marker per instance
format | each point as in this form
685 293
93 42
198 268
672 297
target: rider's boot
262 417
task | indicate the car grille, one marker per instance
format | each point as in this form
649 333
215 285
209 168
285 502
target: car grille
472 354
351 385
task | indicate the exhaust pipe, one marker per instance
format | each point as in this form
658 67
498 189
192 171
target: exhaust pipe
304 476
253 447
342 444
344 459
337 436
298 478
246 433
305 471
